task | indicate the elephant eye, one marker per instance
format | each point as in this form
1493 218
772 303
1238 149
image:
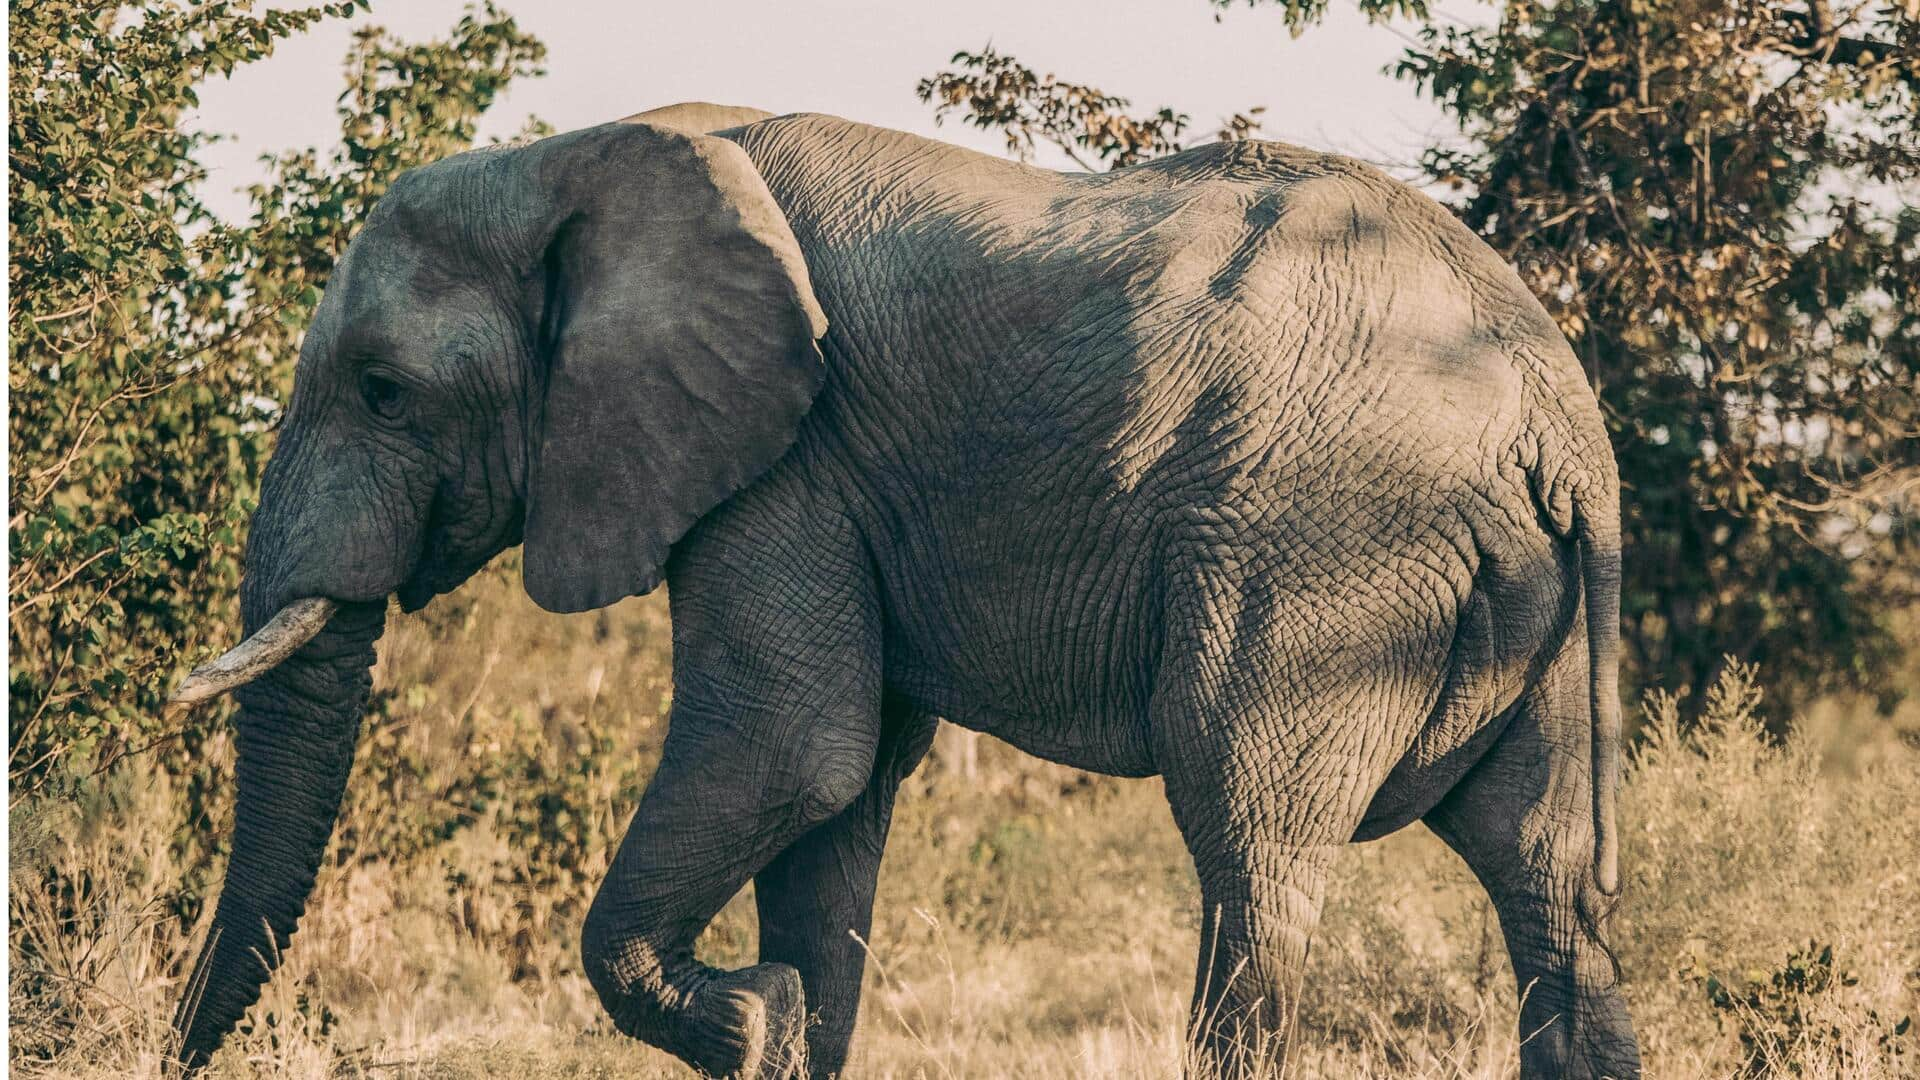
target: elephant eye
384 397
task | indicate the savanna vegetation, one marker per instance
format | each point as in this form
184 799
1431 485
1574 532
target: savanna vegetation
1716 200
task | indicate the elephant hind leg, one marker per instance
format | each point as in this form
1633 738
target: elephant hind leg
1264 819
1263 837
1522 820
1260 908
1274 723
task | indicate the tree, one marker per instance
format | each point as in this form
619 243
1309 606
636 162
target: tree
152 343
1719 202
993 90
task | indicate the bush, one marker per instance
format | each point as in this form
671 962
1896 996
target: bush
1778 1015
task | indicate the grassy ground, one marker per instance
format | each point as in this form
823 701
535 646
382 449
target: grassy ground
1032 922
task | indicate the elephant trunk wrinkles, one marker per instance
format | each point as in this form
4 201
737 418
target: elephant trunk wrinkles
296 732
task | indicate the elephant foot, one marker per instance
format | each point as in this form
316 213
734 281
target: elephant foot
1589 1039
752 1024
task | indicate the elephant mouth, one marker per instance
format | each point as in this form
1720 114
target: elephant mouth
440 570
415 592
443 562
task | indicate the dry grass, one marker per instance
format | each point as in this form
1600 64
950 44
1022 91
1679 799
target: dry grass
1033 922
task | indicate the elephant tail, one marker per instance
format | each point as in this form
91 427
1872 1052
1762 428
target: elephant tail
1579 494
1597 529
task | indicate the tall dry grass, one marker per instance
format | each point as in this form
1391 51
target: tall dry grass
1033 921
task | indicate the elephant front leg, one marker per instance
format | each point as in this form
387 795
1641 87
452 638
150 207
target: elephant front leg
706 824
816 896
775 729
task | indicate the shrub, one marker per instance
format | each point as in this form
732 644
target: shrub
1779 1015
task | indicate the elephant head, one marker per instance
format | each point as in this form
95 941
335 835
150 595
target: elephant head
583 345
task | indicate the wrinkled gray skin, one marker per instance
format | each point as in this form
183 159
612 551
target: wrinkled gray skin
1248 468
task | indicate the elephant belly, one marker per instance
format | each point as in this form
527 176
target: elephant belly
1047 701
1026 633
1113 747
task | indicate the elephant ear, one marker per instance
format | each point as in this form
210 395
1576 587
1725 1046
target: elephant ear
679 331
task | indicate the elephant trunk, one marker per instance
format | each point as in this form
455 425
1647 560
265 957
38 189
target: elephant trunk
296 731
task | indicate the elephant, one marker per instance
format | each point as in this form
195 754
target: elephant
1246 467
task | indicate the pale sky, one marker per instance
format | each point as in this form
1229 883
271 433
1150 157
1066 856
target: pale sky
860 59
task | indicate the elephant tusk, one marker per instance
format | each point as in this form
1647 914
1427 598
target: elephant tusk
291 627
